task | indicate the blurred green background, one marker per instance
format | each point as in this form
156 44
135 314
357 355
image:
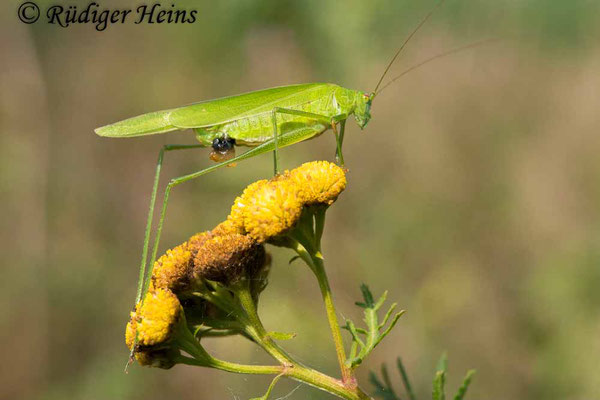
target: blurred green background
473 196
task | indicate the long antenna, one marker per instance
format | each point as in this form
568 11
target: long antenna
447 53
406 41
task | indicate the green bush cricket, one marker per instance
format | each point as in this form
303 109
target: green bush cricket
264 120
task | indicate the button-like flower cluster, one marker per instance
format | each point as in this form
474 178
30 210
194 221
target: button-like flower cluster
226 258
269 208
171 269
154 322
154 319
318 182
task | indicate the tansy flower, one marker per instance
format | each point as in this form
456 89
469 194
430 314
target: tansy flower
235 220
269 208
318 182
153 319
154 323
227 227
171 269
227 258
273 208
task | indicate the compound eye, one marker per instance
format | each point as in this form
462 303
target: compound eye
216 144
228 144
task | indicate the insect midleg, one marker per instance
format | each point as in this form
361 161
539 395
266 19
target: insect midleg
317 117
168 147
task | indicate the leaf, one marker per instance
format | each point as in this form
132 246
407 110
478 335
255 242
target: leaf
438 385
387 315
440 378
354 332
405 381
269 389
381 390
385 391
386 379
462 390
389 328
381 300
442 364
374 332
281 335
293 259
368 296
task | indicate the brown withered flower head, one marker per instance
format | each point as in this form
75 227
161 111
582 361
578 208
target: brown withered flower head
172 268
227 258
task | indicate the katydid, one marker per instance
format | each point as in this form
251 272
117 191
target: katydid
264 120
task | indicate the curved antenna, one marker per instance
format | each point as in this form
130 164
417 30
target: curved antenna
405 42
427 60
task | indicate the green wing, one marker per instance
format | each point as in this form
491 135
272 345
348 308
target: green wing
146 124
214 112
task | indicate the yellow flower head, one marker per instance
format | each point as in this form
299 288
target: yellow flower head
227 227
154 319
318 182
228 257
272 208
171 269
235 219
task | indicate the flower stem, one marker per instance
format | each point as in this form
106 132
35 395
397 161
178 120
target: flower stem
255 328
319 270
233 367
308 249
325 382
188 343
298 373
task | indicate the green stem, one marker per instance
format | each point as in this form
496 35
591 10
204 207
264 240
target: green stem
319 270
325 382
233 367
190 345
255 328
310 252
298 373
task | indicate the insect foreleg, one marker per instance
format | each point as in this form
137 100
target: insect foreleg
324 119
339 139
161 153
